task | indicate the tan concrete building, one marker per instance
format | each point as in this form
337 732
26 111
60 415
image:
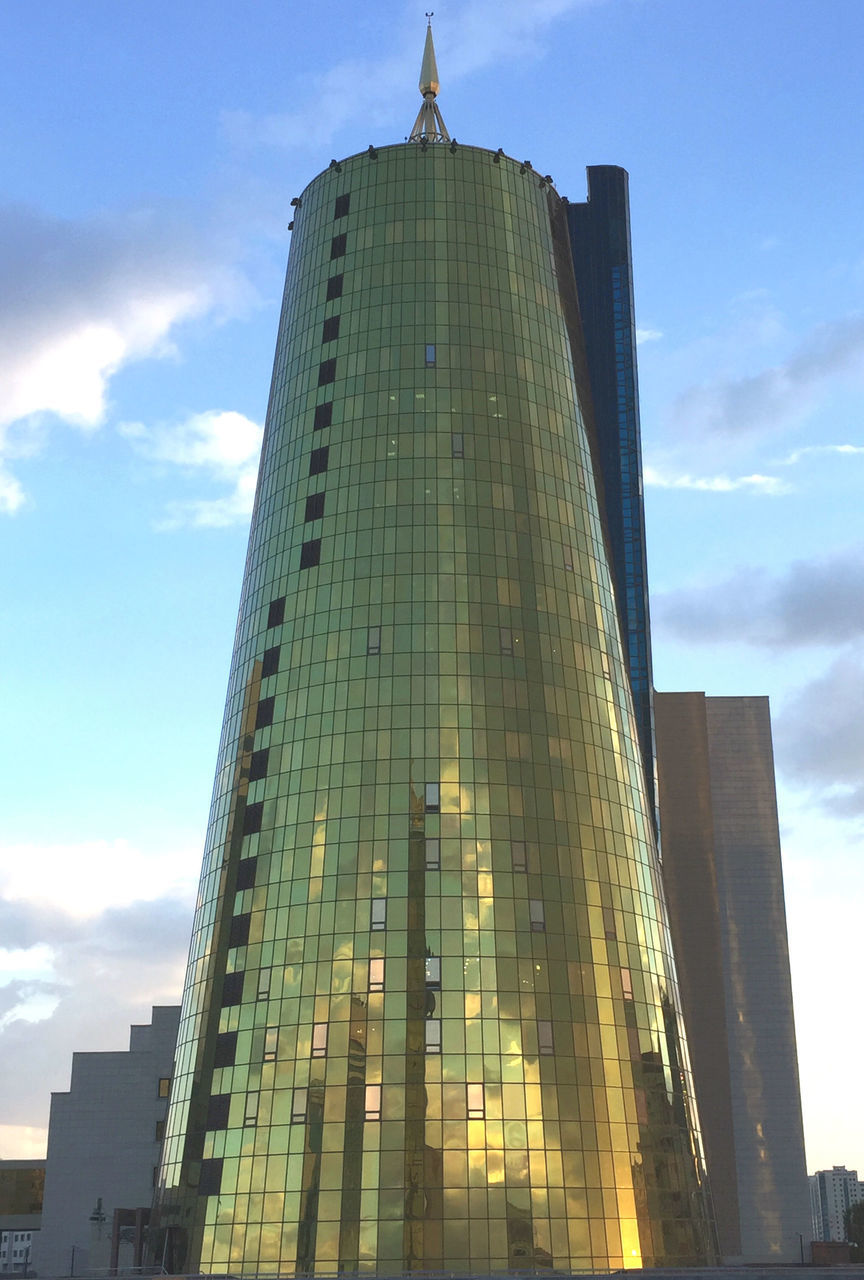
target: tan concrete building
724 887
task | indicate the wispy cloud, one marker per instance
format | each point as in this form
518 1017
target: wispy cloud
220 445
777 396
647 335
771 485
477 34
808 450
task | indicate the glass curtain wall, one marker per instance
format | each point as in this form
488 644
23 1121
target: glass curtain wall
430 1014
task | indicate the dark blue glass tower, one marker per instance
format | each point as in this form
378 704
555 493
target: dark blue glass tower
600 241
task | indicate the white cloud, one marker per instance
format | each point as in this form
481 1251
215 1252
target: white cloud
85 879
80 300
479 33
654 478
647 335
220 445
797 454
22 1142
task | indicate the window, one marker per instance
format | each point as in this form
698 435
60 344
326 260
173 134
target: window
433 853
238 934
519 855
334 287
430 354
318 459
338 245
373 641
341 206
270 662
545 1042
314 507
537 915
217 1111
252 818
373 1102
264 984
378 915
250 1111
160 1130
310 553
609 922
276 613
232 989
433 1035
505 637
164 1086
299 1102
627 984
457 445
323 417
476 1102
210 1178
433 971
326 372
264 714
376 975
330 329
319 1040
271 1043
433 797
226 1048
258 764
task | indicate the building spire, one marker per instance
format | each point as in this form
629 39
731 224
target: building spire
429 125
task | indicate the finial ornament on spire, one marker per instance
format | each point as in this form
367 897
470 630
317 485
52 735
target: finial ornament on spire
429 125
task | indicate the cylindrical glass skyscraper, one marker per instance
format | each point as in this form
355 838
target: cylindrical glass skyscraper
430 1014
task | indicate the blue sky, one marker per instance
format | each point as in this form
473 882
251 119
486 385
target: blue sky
147 161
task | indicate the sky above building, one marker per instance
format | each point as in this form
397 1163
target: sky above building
147 160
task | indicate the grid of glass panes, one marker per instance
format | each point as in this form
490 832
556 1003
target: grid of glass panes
435 1008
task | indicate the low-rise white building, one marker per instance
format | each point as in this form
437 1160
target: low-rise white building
104 1142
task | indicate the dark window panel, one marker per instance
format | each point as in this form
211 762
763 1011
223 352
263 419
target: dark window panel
330 329
276 612
342 204
258 764
252 818
264 714
430 354
226 1049
318 459
210 1181
310 553
314 506
160 1130
323 416
338 245
326 372
217 1111
433 797
246 874
238 934
373 641
334 287
270 661
232 989
457 444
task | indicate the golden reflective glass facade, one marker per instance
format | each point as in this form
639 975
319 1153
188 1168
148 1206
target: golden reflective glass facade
430 1014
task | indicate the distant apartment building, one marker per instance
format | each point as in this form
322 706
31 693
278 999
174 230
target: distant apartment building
104 1140
21 1187
724 887
832 1192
